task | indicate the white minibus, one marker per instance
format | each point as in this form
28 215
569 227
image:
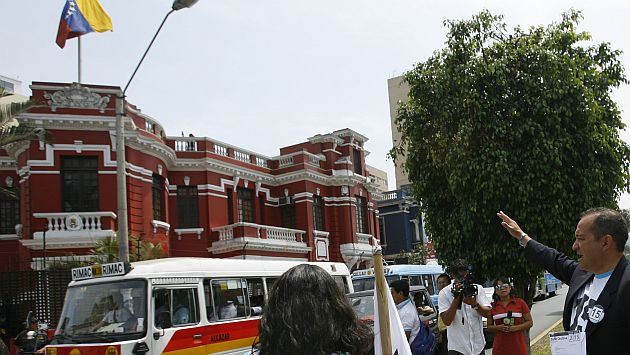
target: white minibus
170 306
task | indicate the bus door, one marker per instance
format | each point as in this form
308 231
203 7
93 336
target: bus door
176 322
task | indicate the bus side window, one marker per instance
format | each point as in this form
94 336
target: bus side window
175 307
256 294
185 309
162 308
230 298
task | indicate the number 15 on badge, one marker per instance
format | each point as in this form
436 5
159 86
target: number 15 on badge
568 343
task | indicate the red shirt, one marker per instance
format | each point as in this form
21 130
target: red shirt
509 343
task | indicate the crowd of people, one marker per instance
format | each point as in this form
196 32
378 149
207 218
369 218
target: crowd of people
308 314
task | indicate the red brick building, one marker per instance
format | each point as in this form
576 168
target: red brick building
195 195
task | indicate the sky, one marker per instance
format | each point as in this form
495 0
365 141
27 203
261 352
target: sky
264 74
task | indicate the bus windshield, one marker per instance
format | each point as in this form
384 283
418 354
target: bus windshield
103 312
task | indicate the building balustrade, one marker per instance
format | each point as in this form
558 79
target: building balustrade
261 162
72 229
77 223
285 161
186 144
220 150
242 156
251 236
245 229
201 144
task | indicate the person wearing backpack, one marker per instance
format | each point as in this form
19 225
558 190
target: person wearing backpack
420 337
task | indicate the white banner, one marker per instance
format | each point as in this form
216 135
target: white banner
400 345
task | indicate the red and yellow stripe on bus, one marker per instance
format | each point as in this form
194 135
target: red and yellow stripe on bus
214 338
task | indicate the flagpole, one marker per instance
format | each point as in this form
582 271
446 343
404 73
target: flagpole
79 58
381 300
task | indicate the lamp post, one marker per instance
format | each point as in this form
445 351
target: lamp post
121 181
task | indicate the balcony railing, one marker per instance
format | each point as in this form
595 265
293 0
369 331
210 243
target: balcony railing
186 145
77 224
244 236
220 150
252 230
285 161
242 156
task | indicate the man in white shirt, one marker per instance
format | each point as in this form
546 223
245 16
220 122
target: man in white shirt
462 314
406 309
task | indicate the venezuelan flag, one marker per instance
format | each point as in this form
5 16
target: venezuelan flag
80 17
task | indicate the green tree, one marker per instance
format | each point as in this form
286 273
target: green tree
519 121
106 250
417 256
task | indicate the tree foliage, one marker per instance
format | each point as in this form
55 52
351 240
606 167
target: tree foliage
12 131
417 256
520 121
106 250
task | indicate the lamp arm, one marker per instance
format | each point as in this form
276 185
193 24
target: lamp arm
146 51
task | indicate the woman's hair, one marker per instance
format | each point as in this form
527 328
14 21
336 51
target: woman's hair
308 314
503 280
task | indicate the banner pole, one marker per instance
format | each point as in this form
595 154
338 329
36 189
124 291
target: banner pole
381 300
79 57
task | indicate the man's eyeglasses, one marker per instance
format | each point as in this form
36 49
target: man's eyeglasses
502 287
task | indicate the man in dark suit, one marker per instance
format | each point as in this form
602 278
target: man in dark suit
598 301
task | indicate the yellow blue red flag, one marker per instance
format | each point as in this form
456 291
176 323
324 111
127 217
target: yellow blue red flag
80 17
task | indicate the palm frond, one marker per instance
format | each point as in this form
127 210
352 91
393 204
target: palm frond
9 113
24 132
12 130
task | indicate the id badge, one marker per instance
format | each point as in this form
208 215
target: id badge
571 342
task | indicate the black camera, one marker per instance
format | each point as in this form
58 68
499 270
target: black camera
466 287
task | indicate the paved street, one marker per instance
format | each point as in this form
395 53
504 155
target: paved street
545 313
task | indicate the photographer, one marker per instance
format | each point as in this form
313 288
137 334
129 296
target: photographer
462 305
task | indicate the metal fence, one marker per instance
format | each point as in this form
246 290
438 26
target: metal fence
42 292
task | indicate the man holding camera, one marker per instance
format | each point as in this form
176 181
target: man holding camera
462 305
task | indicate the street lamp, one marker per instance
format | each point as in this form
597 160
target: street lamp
121 182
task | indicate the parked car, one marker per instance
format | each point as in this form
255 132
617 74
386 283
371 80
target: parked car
363 305
546 286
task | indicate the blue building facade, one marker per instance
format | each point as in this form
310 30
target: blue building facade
401 225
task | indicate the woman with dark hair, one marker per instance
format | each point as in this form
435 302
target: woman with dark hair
308 314
511 317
